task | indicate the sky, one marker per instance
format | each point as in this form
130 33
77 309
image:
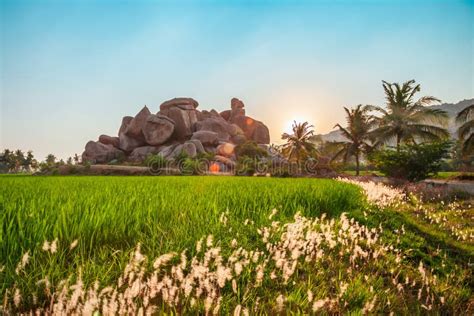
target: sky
70 70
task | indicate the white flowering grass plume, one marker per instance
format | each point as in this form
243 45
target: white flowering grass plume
377 193
307 265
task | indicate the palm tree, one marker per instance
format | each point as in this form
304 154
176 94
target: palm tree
298 144
50 160
466 130
407 120
357 132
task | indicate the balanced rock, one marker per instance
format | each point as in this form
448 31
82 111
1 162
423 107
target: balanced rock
134 128
157 129
178 102
139 154
206 137
236 104
237 109
109 140
96 152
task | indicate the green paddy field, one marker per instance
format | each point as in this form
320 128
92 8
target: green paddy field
97 222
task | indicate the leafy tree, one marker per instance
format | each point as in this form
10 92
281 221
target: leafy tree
357 132
76 159
405 119
412 161
299 146
50 159
466 130
250 149
9 160
19 158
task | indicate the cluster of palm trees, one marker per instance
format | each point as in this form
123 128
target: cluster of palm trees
15 161
404 119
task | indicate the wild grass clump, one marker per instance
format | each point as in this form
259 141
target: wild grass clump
306 265
111 215
378 194
196 245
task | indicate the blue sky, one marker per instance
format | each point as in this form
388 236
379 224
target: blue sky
71 69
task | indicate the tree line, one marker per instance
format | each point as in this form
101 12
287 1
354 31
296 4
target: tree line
16 161
405 125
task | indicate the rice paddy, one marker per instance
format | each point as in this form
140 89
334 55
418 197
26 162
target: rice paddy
220 245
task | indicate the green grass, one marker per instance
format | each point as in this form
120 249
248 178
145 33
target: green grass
451 174
442 175
111 215
363 172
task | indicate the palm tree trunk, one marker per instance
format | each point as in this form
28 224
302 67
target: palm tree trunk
357 164
398 142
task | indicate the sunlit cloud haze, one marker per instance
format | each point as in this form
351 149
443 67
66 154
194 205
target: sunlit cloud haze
70 70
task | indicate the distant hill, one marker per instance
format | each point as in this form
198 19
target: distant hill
450 108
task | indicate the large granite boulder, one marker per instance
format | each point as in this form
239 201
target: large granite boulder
237 109
128 144
207 138
166 151
134 128
157 129
247 124
220 126
188 148
125 122
177 127
178 102
109 140
225 149
139 154
225 114
202 115
253 129
97 152
184 115
199 147
261 134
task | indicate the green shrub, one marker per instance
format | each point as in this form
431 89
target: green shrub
412 162
250 149
157 161
181 157
190 166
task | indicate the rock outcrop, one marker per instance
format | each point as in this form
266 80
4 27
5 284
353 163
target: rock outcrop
179 127
97 152
157 129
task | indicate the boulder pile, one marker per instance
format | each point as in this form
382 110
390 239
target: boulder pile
179 127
